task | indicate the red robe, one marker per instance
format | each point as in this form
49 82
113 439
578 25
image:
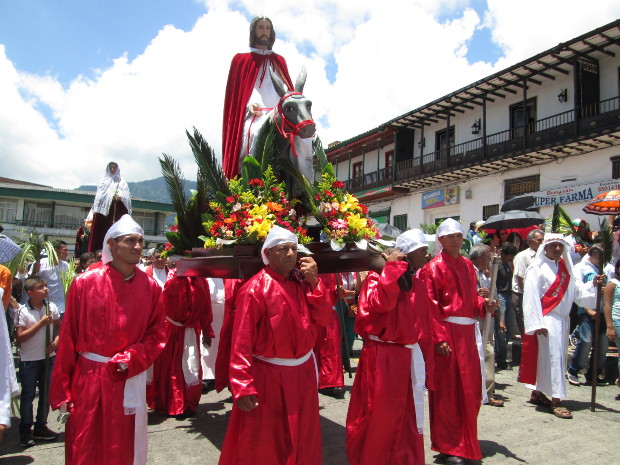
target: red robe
328 347
275 318
222 360
241 79
113 317
187 301
456 400
381 421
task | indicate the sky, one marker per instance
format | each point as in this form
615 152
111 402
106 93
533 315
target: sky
83 83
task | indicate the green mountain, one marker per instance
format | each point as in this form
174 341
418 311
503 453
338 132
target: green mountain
152 189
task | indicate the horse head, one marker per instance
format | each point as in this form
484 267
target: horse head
294 112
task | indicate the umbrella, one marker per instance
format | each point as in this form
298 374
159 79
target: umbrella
513 219
8 249
388 230
607 203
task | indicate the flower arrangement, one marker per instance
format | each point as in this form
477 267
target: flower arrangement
343 218
250 211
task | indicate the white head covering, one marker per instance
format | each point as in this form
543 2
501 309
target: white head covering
411 240
449 226
126 225
276 236
111 184
551 238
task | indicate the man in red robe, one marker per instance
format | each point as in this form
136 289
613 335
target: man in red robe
275 416
177 373
250 93
328 348
385 417
459 359
113 329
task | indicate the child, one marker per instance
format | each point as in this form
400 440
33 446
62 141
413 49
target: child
31 322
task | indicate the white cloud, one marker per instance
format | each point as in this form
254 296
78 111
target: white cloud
391 56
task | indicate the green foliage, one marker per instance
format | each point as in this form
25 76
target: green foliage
33 245
319 152
562 223
429 228
607 240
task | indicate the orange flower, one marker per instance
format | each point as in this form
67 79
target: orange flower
274 207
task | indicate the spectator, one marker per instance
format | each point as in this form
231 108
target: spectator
612 310
506 313
516 240
520 263
86 259
158 269
31 322
585 271
51 270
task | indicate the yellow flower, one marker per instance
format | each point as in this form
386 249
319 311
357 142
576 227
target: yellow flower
259 211
356 222
261 228
350 203
210 243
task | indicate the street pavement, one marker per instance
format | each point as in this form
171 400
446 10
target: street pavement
518 433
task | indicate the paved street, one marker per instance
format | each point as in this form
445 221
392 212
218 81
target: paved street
518 433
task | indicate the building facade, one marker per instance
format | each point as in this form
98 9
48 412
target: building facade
59 213
548 126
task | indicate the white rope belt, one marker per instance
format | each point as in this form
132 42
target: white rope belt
418 378
287 362
462 320
190 361
134 403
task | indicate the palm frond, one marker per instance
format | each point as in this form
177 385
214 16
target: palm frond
562 223
324 165
67 275
302 183
607 241
209 169
251 169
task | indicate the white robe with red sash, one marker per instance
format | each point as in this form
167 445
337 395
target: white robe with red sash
552 349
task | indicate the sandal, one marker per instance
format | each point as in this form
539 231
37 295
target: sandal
560 411
538 398
493 402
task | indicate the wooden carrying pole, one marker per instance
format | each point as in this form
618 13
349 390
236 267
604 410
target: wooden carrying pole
492 290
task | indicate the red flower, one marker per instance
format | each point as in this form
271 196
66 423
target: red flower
317 197
364 208
328 193
168 245
275 189
257 182
338 185
239 232
174 228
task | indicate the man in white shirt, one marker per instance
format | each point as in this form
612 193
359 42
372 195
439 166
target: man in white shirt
51 270
521 262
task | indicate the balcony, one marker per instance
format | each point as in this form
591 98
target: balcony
383 177
556 130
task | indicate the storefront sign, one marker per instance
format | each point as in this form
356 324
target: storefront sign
574 194
440 198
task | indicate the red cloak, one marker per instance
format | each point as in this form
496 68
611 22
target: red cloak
328 347
244 69
187 301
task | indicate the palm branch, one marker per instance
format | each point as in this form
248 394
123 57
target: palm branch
209 170
33 245
324 165
607 241
562 223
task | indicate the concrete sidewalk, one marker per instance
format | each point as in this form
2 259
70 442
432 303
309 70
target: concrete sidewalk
518 433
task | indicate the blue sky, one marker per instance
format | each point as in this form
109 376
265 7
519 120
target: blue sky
83 82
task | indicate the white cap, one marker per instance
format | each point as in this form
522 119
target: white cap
411 240
276 236
449 226
126 225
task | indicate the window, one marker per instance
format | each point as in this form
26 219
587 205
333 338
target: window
146 220
387 172
69 216
37 214
517 118
441 141
520 186
489 210
8 210
615 167
400 222
357 174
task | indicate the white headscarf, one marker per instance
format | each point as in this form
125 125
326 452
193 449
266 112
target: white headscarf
410 241
111 184
549 239
126 225
449 226
276 236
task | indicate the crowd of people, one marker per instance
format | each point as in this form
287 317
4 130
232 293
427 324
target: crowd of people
135 335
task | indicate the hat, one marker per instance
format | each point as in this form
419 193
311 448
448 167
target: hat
126 225
478 224
276 236
449 226
410 241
